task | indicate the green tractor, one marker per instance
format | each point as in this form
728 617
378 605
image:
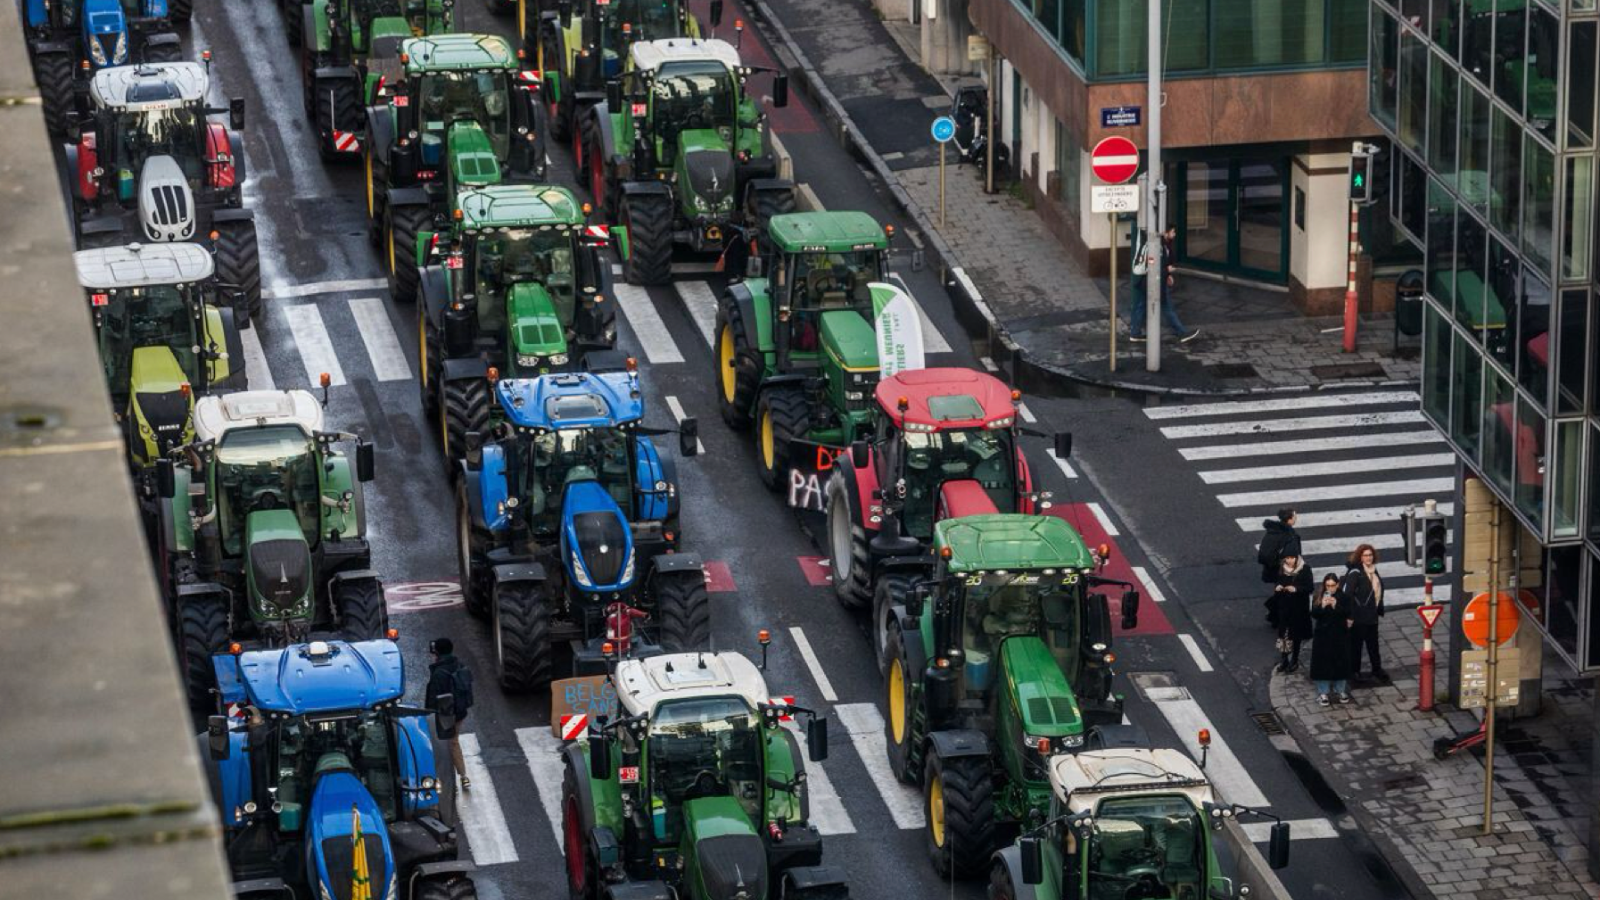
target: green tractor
458 112
346 47
262 531
696 791
1127 822
163 339
679 154
999 661
516 287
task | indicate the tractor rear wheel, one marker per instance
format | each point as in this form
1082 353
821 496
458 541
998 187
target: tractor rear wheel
649 221
900 724
203 633
1000 886
431 362
582 873
238 259
471 548
402 225
463 407
738 368
761 206
163 53
890 591
293 21
521 636
958 801
338 111
683 612
849 556
606 195
180 11
448 886
54 74
362 614
782 415
377 175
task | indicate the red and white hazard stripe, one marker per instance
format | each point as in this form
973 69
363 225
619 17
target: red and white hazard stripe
598 232
782 701
573 725
529 76
346 141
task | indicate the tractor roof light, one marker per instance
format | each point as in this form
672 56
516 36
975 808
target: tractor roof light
392 634
763 637
324 380
633 364
902 404
185 389
235 648
456 214
587 209
214 234
945 553
1104 552
1016 396
405 59
941 662
493 374
608 648
1205 737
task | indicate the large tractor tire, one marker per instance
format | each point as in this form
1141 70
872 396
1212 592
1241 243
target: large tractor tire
738 367
472 547
683 612
583 874
446 886
430 363
899 726
849 556
958 802
761 206
463 407
377 178
782 415
607 196
338 103
293 22
238 260
362 613
891 591
1000 886
649 221
402 224
54 74
163 53
179 12
521 637
203 633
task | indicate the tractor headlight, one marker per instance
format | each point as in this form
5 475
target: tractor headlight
1002 422
700 204
558 359
1072 741
428 783
854 395
528 360
627 571
120 55
611 333
97 51
578 572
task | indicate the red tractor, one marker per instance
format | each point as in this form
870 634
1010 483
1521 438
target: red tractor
945 444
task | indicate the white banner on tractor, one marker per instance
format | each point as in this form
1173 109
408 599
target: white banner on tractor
899 330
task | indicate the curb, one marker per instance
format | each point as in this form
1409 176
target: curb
970 308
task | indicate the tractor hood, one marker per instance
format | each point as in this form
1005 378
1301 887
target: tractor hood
392 27
730 857
166 205
278 564
1043 696
850 340
706 167
105 32
596 541
335 802
472 159
161 407
536 333
296 681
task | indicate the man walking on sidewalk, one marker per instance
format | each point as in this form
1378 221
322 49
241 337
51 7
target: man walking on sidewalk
1169 313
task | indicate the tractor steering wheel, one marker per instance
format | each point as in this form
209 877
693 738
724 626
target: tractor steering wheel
706 783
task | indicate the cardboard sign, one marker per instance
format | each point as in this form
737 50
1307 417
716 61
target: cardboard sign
591 695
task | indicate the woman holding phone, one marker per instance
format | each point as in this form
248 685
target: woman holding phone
1330 642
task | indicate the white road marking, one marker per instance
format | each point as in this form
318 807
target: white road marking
827 807
1065 467
325 287
865 726
1027 414
1307 423
1418 487
481 815
1193 647
680 415
1325 546
543 752
1337 467
702 305
1386 514
1411 597
1414 439
802 644
932 340
256 370
1299 830
1105 520
694 268
616 269
1150 589
1226 773
988 364
311 339
377 332
1280 404
647 326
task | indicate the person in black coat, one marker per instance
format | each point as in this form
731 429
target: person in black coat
1330 642
1280 540
1364 587
440 694
1289 610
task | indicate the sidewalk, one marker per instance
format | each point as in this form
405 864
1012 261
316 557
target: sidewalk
1047 316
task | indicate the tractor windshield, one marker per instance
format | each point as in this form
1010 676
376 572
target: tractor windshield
271 467
647 20
693 94
997 606
482 97
1146 847
577 454
702 748
508 256
155 316
931 460
158 132
305 748
835 280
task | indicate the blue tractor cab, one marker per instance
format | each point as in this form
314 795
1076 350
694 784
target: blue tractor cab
323 778
70 40
567 524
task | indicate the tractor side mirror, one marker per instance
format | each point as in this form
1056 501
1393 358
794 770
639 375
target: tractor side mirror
166 479
217 736
364 461
74 128
564 11
1130 610
1032 852
917 599
599 756
754 267
716 13
614 96
236 113
474 448
860 456
688 437
780 91
1063 446
817 739
1278 845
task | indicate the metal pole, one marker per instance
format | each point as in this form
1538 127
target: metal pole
988 125
941 184
1489 689
1154 277
1350 301
1113 328
1426 668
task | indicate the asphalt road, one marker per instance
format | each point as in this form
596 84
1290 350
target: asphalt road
328 311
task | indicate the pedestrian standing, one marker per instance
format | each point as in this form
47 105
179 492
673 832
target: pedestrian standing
1280 540
1290 610
1364 587
1169 313
1330 642
449 694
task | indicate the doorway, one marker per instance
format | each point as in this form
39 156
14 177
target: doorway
1232 217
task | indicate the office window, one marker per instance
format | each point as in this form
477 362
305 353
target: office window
1068 167
1499 423
1347 31
1577 218
1477 41
1445 26
1500 301
1530 453
1269 32
1048 12
1436 367
1441 247
1473 179
1121 39
1442 85
1533 338
1543 70
1383 56
1466 397
1570 357
1413 195
1505 181
1538 205
1472 253
1580 85
1510 50
1413 90
1565 500
1072 29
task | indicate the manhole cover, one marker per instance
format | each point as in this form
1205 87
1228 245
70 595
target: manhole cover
1268 722
1349 370
1232 370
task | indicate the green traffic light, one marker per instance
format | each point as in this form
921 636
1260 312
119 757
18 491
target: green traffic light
1358 180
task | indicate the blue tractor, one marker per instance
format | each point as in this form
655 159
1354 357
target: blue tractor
69 40
567 529
329 781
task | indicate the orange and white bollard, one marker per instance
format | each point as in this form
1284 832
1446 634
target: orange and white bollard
1350 302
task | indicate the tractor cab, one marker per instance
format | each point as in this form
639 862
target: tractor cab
621 23
822 268
376 27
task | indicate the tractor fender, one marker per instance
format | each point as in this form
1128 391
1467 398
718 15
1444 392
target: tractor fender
162 39
672 563
52 47
444 867
759 185
335 73
1026 483
958 743
602 115
36 13
801 879
1010 857
232 214
408 196
798 378
339 578
264 887
519 572
574 756
739 293
464 368
640 188
486 489
797 763
639 890
230 687
861 486
434 292
651 468
381 125
911 641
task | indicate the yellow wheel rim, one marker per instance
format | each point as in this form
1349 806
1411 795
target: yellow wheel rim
390 232
767 440
936 810
725 364
897 702
422 346
367 157
444 428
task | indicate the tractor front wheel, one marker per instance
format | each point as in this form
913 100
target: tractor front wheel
738 373
582 873
781 416
54 73
179 12
849 556
521 636
449 886
238 263
471 547
463 407
683 612
762 205
337 112
404 223
649 221
362 613
900 724
891 591
431 362
203 624
958 801
1000 886
163 53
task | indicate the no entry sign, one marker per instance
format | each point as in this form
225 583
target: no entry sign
1114 160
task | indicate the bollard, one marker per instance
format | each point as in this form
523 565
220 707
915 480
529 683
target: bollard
1429 614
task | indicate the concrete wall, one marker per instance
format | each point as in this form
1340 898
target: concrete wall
1319 252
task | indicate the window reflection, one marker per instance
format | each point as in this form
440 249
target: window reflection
1436 367
1445 26
1510 65
1500 304
1413 89
1383 54
1568 465
1529 450
1441 251
1570 359
1442 117
1499 430
1472 253
1543 70
1473 180
1539 214
1466 397
1581 85
1533 338
1505 174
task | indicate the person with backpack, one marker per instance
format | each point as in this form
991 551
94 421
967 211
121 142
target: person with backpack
450 691
1280 540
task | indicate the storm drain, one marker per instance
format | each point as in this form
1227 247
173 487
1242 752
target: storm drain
1232 370
1268 722
1348 370
1403 783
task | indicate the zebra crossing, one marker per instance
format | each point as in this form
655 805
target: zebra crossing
1347 463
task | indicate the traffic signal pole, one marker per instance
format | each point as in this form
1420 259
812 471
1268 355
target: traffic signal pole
1155 209
1360 192
1430 525
1425 666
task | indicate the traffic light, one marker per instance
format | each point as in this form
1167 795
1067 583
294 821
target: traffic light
1434 549
1360 178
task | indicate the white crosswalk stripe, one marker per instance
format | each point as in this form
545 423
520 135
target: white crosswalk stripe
1279 404
1337 467
377 332
316 348
488 836
648 329
864 724
1304 423
1417 439
701 303
543 752
256 370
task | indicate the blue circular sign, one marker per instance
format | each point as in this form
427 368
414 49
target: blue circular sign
944 128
